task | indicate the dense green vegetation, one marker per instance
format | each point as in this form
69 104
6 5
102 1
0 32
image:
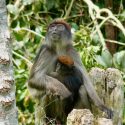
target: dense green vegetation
28 21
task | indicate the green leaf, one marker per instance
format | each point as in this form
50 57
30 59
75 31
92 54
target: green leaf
119 60
19 35
27 2
122 15
23 95
36 6
14 24
95 38
22 22
13 9
107 57
75 26
50 4
100 60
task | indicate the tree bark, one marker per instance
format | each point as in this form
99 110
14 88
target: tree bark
110 30
8 111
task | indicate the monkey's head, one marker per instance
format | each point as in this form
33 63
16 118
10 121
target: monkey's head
59 32
64 64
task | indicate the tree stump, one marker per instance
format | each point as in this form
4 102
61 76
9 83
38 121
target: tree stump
80 117
109 86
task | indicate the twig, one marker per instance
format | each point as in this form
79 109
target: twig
69 9
70 17
22 57
114 41
31 31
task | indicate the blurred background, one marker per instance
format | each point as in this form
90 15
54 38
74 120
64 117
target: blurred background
28 21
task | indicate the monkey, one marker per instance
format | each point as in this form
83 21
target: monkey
67 73
58 41
71 77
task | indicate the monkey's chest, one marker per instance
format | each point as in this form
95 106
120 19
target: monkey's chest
51 66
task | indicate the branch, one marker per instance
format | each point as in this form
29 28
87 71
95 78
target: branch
96 13
93 9
69 9
31 31
114 41
113 18
22 57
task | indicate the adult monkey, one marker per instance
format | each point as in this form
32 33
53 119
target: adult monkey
58 41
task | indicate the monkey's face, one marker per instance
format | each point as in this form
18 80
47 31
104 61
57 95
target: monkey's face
58 32
55 31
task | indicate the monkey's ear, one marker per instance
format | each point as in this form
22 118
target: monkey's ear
67 60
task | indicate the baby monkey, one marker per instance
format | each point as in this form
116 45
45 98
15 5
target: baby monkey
71 77
68 74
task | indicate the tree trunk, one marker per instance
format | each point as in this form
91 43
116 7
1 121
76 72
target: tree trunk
109 86
8 111
110 30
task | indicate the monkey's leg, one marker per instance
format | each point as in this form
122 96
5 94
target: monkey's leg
84 100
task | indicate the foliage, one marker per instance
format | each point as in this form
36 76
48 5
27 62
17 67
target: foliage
28 20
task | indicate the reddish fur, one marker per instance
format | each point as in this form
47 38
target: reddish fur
67 60
61 21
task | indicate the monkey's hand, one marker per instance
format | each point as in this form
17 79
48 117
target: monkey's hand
57 88
54 74
45 83
67 60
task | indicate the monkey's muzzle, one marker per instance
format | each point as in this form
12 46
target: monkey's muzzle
55 36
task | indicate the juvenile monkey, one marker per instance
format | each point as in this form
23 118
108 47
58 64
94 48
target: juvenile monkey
71 77
58 41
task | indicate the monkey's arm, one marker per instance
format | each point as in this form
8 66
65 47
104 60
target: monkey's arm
54 74
87 83
86 80
39 81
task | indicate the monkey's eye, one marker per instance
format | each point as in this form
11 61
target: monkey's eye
60 27
52 27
